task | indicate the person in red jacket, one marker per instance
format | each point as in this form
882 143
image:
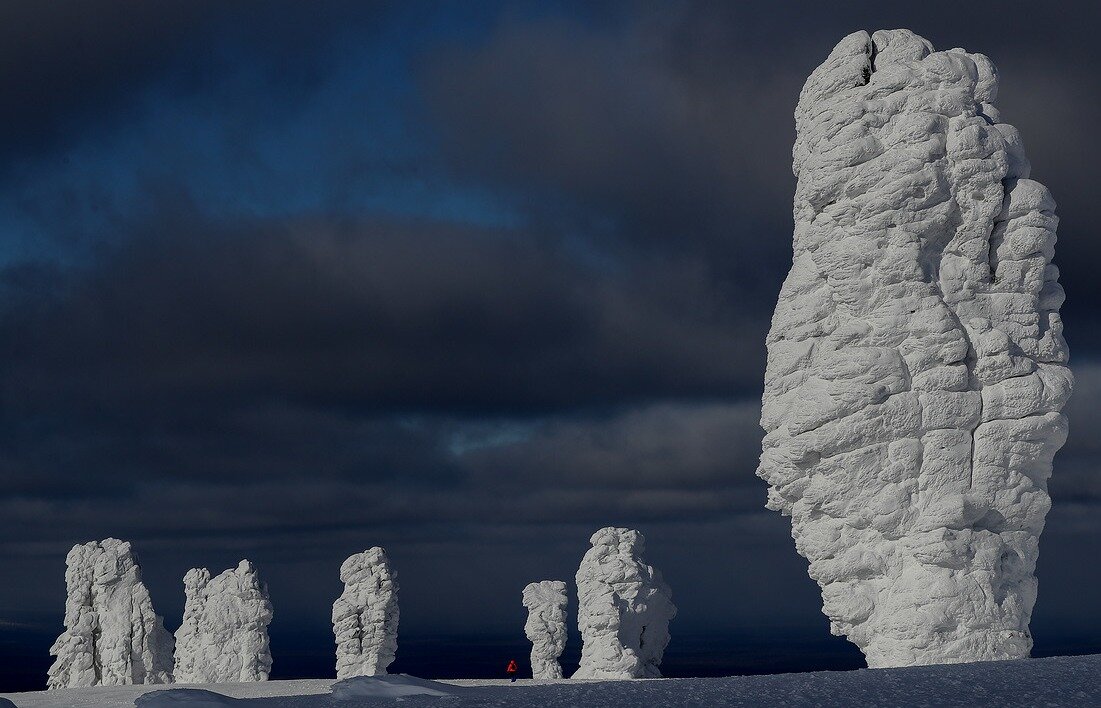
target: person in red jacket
512 669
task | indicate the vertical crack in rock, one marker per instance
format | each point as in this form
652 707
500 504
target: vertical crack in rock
620 599
916 364
546 603
112 636
365 616
224 635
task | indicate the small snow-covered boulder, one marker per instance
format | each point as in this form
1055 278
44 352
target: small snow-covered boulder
624 609
187 697
392 686
365 616
112 636
546 626
224 635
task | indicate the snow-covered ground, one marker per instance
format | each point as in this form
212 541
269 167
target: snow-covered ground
1059 681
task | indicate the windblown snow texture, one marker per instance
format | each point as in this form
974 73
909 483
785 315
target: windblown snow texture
546 626
224 635
365 616
112 636
916 363
624 609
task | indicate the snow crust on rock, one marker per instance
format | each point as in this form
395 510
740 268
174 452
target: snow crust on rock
224 635
624 609
365 616
916 363
546 603
112 636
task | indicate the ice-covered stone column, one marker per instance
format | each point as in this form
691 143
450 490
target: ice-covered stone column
224 635
916 363
365 616
546 626
624 609
112 636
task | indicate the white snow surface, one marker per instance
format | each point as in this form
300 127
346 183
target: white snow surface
224 635
365 616
1061 681
916 364
545 628
112 636
393 686
624 609
189 697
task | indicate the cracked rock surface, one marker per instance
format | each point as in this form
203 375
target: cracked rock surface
365 616
224 635
112 636
916 364
624 609
546 603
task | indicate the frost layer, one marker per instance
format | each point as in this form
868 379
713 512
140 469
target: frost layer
224 635
624 609
112 636
916 363
546 626
365 616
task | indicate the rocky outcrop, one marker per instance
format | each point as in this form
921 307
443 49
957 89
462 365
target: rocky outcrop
112 636
624 609
365 616
916 363
224 635
546 603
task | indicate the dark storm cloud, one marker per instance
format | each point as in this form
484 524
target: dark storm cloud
678 147
70 69
675 123
369 316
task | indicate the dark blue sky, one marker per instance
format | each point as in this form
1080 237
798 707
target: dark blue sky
467 280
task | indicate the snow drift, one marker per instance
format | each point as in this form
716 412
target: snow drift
224 635
546 626
112 636
365 616
624 609
916 363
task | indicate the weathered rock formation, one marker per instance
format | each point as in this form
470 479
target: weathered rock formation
365 616
112 636
546 626
224 635
624 609
916 363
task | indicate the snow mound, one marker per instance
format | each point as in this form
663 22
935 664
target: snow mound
391 686
190 697
916 364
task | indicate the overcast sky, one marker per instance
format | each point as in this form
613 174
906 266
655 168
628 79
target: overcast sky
466 280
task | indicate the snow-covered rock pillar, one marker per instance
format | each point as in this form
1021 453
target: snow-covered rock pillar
112 636
546 626
916 363
365 616
224 635
624 609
